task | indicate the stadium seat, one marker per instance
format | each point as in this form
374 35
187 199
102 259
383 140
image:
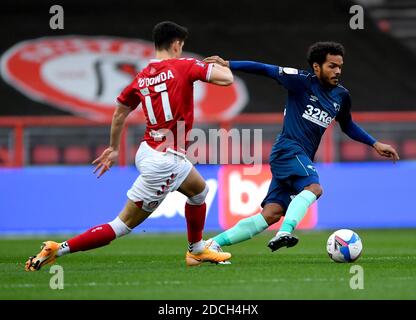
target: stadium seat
266 150
408 149
5 159
45 154
353 151
131 153
77 155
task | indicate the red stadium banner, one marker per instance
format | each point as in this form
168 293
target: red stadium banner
240 196
84 75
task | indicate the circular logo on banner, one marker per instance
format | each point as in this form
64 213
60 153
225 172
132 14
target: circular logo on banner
86 74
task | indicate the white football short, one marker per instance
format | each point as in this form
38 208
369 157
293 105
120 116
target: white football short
160 173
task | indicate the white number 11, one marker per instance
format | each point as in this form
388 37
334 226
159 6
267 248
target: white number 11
162 88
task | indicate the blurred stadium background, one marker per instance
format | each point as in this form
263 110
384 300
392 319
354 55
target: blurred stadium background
58 88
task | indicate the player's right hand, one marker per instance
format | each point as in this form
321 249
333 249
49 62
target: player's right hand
218 60
105 161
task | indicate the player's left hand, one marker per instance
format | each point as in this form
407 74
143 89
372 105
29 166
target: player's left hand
105 161
386 150
218 60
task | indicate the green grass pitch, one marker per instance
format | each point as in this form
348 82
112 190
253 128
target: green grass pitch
151 266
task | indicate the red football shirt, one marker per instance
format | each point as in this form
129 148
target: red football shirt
165 90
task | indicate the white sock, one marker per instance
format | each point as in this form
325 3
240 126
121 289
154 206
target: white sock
119 227
63 249
212 243
197 247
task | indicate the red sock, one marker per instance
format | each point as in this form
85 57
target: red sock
93 238
195 220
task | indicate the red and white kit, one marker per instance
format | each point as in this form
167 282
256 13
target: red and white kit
165 90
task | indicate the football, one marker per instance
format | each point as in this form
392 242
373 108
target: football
344 245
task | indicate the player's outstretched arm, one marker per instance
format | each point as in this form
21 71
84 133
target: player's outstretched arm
356 133
110 155
221 75
258 68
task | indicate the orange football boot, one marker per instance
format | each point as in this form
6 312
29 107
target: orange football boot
47 255
208 255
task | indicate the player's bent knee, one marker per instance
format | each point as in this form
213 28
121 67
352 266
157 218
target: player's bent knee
318 191
315 189
272 212
199 198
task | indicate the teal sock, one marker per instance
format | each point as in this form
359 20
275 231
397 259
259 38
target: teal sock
245 229
297 210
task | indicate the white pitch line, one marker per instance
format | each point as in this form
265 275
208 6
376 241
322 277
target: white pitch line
181 282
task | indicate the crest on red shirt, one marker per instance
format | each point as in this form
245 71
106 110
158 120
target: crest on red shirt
85 75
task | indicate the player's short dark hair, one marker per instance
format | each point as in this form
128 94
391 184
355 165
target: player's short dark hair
319 50
166 32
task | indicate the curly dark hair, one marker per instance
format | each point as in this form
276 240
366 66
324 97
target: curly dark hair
318 51
166 32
